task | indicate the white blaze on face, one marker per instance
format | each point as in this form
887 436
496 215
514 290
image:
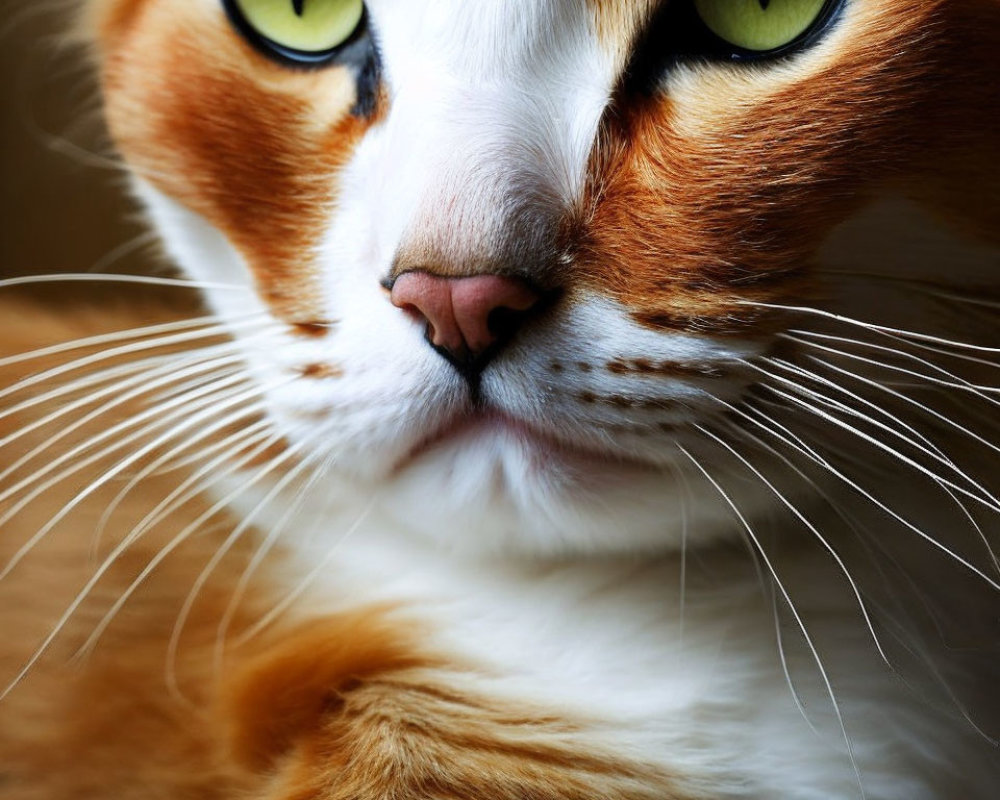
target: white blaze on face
493 110
480 152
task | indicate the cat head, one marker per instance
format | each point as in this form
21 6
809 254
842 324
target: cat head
501 264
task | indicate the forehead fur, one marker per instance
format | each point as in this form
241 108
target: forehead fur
715 188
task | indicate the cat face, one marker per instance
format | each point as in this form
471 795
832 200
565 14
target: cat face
518 252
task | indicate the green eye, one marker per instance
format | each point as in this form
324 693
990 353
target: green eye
760 25
301 30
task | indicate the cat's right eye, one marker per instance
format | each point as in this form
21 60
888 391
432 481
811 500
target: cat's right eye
760 26
298 31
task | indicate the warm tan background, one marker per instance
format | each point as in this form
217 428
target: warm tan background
61 204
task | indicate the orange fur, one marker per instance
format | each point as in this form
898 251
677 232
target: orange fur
265 143
683 228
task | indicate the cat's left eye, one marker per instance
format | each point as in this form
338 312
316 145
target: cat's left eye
302 31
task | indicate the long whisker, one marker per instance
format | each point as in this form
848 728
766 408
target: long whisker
258 558
86 383
291 597
795 613
951 381
926 348
160 556
194 484
932 450
124 350
937 415
89 587
177 406
779 638
66 509
871 326
810 375
121 377
965 511
143 332
220 552
797 444
987 500
204 451
855 590
109 475
906 399
175 372
145 280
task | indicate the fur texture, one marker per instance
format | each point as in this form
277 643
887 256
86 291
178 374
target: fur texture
715 522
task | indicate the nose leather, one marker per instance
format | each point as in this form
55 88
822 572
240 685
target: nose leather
465 316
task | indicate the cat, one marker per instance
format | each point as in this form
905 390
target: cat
594 400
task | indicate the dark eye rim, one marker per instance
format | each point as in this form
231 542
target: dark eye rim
714 46
676 36
289 56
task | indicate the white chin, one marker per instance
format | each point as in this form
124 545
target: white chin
500 491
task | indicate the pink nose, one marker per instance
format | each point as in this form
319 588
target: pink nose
462 313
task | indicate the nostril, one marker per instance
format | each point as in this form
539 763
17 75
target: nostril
502 322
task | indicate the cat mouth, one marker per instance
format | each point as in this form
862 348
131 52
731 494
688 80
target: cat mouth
546 447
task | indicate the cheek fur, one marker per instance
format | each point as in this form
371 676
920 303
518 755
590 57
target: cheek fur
253 147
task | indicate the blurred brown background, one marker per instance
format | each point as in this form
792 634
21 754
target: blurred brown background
62 202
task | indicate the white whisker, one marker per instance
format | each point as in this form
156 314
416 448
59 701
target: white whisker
178 406
90 380
926 348
856 591
130 349
815 377
211 408
965 511
871 326
144 332
122 393
779 638
204 451
246 521
94 277
160 556
987 500
93 581
289 599
953 381
193 485
796 443
906 399
791 606
263 549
